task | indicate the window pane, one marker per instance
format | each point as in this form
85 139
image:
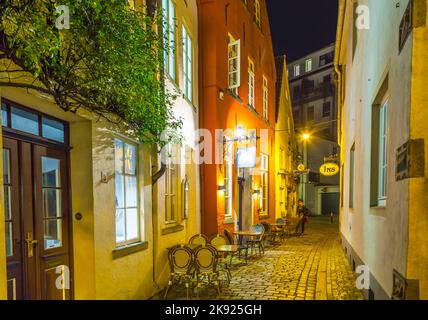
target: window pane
132 224
131 191
118 151
120 225
53 233
52 203
130 159
9 239
6 166
25 121
52 129
120 192
4 120
7 203
51 172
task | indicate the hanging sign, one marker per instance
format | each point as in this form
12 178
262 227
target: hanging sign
329 169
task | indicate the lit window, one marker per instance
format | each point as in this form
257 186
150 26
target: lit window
383 153
127 206
264 182
308 65
297 70
257 12
228 183
171 187
169 36
187 65
265 99
234 64
251 82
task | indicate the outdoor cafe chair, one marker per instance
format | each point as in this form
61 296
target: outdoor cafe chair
181 261
206 264
283 231
199 239
270 235
258 241
221 240
242 247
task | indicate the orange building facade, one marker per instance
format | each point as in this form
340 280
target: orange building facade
237 89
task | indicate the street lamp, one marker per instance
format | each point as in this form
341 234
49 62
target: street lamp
306 136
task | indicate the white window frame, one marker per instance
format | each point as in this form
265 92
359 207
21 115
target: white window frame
251 83
234 65
187 64
265 99
264 183
297 70
308 65
228 178
383 154
257 16
127 241
168 8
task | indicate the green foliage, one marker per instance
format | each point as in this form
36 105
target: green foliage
109 61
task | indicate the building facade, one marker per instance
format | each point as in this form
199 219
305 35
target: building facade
237 96
85 203
286 186
315 113
381 61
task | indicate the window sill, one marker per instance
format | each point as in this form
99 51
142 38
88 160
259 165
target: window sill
378 211
234 96
120 252
172 229
228 220
263 216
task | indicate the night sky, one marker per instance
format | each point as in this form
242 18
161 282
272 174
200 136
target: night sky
300 27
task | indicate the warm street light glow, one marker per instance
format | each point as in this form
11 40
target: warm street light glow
306 136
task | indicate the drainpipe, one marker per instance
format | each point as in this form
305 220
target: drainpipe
155 179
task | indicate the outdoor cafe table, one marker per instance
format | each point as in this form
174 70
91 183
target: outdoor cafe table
242 234
229 249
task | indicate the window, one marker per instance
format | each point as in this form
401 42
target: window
187 65
383 153
326 109
7 185
31 122
169 37
264 183
251 81
171 184
234 64
310 113
127 204
326 58
228 182
351 176
308 65
257 12
297 70
296 116
265 99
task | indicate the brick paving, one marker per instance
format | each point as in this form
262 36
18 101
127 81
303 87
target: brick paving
312 267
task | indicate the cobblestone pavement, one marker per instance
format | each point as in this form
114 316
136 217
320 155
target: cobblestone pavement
312 267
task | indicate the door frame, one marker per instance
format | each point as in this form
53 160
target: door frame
13 134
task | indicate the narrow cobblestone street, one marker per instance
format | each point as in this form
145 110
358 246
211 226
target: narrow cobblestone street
312 267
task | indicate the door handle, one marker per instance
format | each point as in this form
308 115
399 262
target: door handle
30 242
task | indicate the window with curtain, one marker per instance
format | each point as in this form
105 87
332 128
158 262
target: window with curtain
251 82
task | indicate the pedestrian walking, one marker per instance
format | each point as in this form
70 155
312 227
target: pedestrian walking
302 215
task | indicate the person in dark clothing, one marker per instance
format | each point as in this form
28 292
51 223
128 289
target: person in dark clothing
302 215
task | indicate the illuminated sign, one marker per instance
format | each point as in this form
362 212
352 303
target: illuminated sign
329 169
301 167
246 157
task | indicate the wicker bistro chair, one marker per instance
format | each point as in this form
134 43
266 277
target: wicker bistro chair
200 239
206 263
181 262
257 242
242 247
220 240
270 235
283 231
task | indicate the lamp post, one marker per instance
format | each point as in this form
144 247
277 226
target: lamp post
305 179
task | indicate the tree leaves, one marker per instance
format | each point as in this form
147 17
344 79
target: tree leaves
109 62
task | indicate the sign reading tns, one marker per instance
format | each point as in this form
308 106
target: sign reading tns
329 169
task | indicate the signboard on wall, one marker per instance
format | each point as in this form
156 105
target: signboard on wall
329 169
246 157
